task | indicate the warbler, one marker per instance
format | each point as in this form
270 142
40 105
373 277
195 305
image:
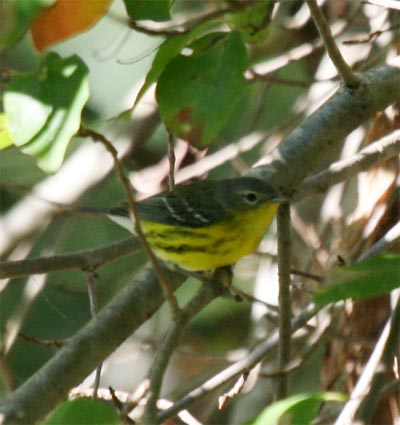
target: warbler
206 224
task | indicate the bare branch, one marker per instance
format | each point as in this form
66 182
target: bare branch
348 77
89 259
171 160
375 153
387 241
297 53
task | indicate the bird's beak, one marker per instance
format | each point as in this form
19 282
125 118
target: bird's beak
282 199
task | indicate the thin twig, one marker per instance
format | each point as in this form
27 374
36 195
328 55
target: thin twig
391 238
214 14
253 76
52 343
252 299
187 26
171 160
120 406
295 54
168 32
377 152
347 75
285 303
91 286
311 276
367 38
206 294
169 295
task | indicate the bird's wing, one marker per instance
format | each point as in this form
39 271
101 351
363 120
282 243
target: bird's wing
188 206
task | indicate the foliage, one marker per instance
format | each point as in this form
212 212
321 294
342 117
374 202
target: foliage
377 276
298 409
82 412
43 108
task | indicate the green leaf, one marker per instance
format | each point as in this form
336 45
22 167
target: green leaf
376 276
298 409
198 92
167 51
83 411
5 139
43 108
253 22
154 10
16 17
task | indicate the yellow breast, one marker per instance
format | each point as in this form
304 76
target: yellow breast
208 248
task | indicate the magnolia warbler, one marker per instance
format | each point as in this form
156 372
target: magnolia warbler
206 224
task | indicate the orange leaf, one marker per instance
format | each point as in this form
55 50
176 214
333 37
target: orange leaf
65 19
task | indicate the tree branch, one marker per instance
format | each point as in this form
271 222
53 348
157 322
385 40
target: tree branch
83 352
347 75
390 239
285 303
376 152
90 259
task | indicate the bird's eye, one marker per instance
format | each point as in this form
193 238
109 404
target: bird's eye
250 197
